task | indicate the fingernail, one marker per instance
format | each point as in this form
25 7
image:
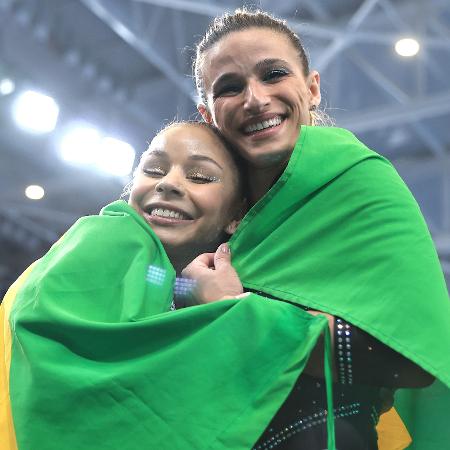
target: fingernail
224 248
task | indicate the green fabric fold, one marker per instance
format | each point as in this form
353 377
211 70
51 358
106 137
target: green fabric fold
98 361
340 232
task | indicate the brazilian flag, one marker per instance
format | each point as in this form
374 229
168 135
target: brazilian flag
91 356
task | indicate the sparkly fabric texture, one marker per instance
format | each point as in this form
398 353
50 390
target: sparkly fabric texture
300 424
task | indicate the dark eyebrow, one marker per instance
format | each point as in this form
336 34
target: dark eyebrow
156 152
270 62
196 157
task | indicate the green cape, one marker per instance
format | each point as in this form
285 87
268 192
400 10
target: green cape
341 233
98 362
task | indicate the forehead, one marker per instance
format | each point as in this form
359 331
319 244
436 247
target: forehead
182 141
241 50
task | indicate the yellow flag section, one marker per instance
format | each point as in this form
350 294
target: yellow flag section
7 435
392 433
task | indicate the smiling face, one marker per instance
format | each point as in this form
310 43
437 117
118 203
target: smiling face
257 94
186 188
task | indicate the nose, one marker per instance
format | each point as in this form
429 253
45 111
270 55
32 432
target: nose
170 185
256 96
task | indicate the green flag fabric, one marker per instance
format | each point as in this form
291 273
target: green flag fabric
93 358
96 358
340 232
426 413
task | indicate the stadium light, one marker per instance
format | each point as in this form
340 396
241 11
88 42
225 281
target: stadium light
35 112
115 156
7 86
80 145
34 192
85 145
407 47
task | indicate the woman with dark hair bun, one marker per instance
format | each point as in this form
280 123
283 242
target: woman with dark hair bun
333 229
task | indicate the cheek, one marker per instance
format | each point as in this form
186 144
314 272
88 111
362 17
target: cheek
227 206
223 113
302 99
134 200
138 190
215 202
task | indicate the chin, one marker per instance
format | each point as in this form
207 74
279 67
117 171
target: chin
266 159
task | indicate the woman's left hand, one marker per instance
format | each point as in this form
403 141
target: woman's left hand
215 277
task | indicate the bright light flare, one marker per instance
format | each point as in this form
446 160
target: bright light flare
115 156
34 192
86 146
80 145
407 47
7 86
35 112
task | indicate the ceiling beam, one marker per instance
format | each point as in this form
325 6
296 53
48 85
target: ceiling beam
318 10
24 223
37 212
346 37
195 7
418 168
399 95
142 46
210 10
312 28
412 111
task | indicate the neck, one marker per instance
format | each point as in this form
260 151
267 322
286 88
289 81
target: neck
181 256
180 260
262 180
265 171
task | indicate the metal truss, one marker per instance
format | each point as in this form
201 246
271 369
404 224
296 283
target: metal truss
341 37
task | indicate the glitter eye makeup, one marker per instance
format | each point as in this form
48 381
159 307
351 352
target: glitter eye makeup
154 171
199 176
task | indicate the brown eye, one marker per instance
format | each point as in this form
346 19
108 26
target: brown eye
227 90
275 74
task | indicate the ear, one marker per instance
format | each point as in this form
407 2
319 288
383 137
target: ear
313 82
238 216
232 226
203 110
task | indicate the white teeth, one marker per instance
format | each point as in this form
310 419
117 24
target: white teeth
263 125
167 213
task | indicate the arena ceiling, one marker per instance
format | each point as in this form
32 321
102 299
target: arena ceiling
124 66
